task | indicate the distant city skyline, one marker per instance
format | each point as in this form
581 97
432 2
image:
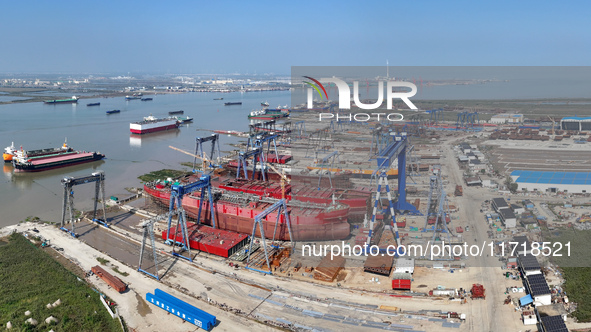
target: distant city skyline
264 37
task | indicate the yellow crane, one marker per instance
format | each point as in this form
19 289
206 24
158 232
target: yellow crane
205 160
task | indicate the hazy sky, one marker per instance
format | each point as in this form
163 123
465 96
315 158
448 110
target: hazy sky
271 36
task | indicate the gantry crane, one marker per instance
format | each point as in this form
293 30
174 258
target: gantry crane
333 156
199 150
148 230
397 149
437 209
68 204
281 208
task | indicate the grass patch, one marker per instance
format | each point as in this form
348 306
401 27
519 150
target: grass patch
31 279
116 269
576 268
103 261
578 287
161 175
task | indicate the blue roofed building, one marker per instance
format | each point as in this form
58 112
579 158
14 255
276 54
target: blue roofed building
570 182
576 123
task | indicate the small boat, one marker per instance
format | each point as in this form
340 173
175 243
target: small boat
184 119
218 98
265 104
93 104
233 103
72 100
176 112
113 111
146 99
9 152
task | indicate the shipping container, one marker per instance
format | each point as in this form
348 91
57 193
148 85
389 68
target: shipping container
402 284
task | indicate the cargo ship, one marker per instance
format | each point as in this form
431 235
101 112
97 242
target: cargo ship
113 111
358 171
232 132
236 212
147 99
176 112
268 114
11 152
230 103
132 97
93 104
301 176
358 200
72 100
183 119
22 162
152 124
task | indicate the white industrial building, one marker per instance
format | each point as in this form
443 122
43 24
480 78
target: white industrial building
405 265
569 182
506 118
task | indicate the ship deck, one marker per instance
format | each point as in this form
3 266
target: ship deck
61 158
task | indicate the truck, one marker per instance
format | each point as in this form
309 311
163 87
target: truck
459 191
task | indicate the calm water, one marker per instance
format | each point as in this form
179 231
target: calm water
35 126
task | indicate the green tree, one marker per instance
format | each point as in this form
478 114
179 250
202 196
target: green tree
512 186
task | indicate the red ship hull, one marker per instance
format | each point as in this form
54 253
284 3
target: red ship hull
307 223
357 200
153 130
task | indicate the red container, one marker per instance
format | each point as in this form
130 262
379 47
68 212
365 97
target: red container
110 279
403 284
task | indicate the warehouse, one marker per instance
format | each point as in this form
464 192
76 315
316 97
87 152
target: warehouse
576 123
508 217
506 118
568 182
538 289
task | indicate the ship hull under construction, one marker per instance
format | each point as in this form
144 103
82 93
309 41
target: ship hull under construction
308 223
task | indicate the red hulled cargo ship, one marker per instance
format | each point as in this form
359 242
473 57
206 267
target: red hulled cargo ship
23 162
236 211
358 200
152 124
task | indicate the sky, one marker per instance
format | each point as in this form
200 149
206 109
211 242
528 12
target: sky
258 37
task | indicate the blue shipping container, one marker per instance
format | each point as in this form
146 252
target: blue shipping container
181 309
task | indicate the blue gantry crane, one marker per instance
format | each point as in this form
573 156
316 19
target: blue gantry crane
68 203
437 209
435 116
280 207
396 150
200 151
256 155
177 193
327 161
148 231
